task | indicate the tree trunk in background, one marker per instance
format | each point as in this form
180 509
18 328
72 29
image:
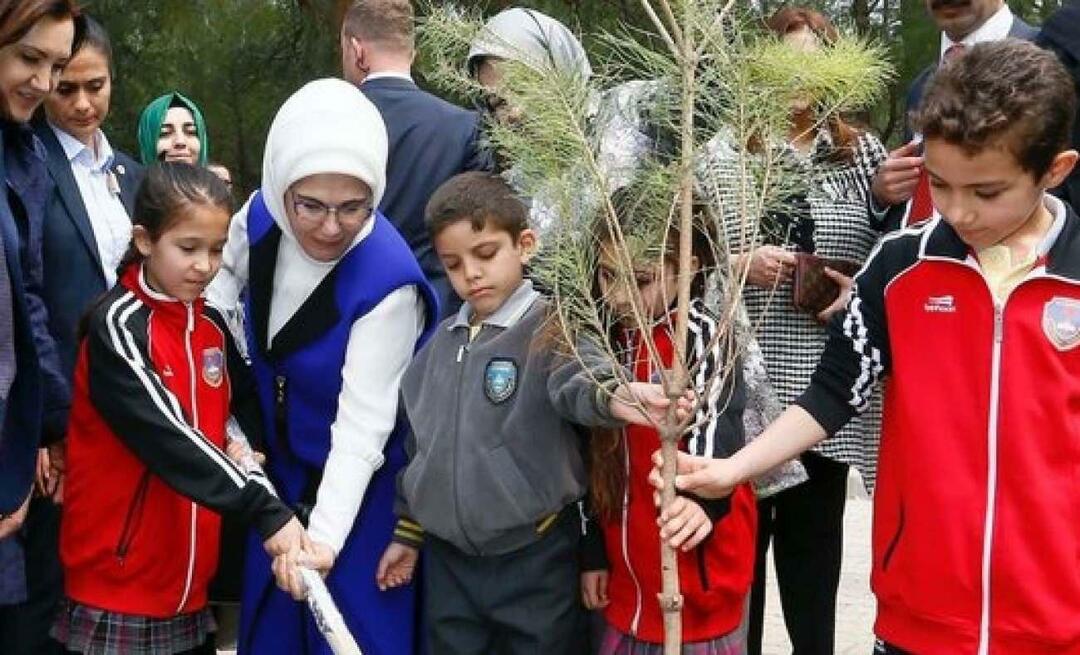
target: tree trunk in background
860 16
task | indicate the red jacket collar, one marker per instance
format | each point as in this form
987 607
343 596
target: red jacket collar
134 279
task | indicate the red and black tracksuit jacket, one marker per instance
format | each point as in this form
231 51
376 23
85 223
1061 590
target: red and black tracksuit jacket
976 534
146 477
714 577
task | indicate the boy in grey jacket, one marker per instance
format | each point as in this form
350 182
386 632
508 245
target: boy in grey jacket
496 468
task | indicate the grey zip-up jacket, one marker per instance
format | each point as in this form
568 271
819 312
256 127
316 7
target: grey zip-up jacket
495 448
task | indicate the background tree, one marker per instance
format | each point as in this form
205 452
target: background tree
239 59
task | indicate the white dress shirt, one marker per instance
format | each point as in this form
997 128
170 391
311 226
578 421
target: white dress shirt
100 192
387 74
995 28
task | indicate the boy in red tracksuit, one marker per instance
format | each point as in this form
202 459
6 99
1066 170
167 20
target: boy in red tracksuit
973 320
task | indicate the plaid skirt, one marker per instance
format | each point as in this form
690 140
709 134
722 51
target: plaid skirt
614 642
93 631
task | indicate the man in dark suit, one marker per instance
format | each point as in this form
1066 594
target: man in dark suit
1061 33
963 23
430 139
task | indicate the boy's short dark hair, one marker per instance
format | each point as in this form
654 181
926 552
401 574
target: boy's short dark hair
1009 92
480 198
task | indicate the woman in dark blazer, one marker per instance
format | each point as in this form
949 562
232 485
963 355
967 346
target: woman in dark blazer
36 40
85 231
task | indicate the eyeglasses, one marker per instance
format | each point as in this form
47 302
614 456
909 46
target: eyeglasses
350 214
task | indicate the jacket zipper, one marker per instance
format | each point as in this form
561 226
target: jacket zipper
127 533
195 420
703 571
991 477
281 415
636 620
463 350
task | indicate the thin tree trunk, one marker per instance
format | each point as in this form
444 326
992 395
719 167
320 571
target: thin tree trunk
860 16
671 599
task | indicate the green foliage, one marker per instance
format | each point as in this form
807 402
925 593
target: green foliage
847 76
742 84
237 59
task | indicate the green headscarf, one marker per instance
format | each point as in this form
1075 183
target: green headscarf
150 126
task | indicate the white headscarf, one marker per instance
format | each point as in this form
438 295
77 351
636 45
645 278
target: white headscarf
328 126
532 38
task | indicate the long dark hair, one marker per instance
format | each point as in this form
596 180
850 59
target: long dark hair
165 194
166 191
96 37
607 475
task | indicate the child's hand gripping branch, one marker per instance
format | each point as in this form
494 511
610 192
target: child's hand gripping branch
645 403
790 434
290 546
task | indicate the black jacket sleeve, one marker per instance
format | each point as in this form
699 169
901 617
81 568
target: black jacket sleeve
148 419
407 531
592 552
856 353
717 378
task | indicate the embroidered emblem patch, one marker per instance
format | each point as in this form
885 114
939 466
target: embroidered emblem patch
1061 322
500 380
213 366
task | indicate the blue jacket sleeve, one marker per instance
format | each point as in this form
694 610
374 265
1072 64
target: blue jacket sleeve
56 388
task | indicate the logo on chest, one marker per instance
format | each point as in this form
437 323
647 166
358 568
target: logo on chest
500 379
940 305
213 366
1061 322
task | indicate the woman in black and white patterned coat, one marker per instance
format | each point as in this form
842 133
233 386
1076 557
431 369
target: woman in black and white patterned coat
831 219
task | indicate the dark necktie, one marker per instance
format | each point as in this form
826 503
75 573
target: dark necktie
922 204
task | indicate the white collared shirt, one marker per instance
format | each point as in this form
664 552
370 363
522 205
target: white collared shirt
100 191
387 74
995 28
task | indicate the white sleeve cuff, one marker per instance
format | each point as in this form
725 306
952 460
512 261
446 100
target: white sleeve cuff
345 479
380 348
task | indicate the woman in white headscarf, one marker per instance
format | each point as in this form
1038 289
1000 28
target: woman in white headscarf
336 306
542 43
528 37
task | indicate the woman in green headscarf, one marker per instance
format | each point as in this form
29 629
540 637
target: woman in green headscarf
172 128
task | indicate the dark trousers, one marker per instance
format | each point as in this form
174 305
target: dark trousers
524 602
805 524
24 628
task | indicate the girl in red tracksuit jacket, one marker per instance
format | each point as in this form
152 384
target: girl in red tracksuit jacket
155 381
716 542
